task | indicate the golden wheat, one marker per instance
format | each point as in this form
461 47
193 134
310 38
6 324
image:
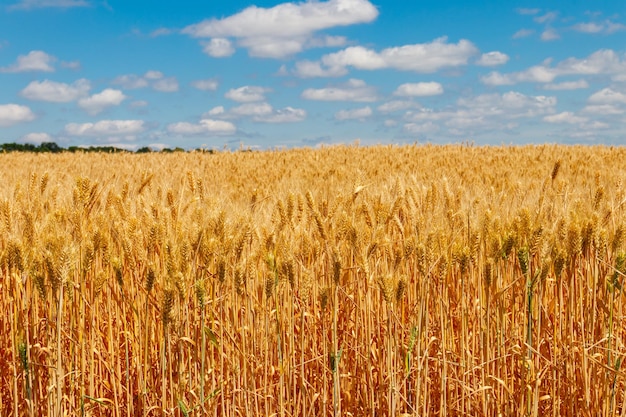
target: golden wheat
390 280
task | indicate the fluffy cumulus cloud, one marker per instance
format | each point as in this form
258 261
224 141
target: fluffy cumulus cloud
352 114
567 85
311 69
286 28
286 115
565 117
421 128
486 112
606 27
397 105
247 94
166 85
36 138
33 61
261 112
602 62
607 96
491 59
604 110
537 74
326 41
419 89
547 17
550 34
55 92
422 58
100 101
40 4
204 127
11 114
523 33
219 48
153 79
205 85
250 109
353 90
511 104
130 81
105 128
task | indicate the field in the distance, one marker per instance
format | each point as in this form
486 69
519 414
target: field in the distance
417 280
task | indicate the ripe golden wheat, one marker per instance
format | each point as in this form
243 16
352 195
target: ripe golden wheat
413 280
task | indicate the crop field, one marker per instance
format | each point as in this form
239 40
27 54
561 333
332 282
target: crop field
357 281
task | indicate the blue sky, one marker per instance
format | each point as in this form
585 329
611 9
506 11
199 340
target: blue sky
272 74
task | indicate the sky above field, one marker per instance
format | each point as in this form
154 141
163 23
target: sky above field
271 74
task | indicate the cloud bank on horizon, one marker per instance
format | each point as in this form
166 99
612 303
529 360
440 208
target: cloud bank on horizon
266 74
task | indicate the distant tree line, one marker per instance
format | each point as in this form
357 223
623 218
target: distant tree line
51 147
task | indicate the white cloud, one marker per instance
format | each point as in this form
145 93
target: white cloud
356 56
284 29
40 4
33 61
326 42
215 111
160 32
512 103
607 96
258 112
36 138
205 85
604 61
538 74
251 109
550 34
166 85
74 65
56 92
546 18
486 112
523 33
310 69
100 101
219 48
421 128
606 27
611 27
105 128
153 75
286 115
205 126
130 81
603 109
423 58
590 27
247 94
153 79
567 85
353 90
360 114
419 89
565 117
397 105
11 114
491 59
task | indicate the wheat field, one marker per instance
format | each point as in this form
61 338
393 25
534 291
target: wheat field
358 281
